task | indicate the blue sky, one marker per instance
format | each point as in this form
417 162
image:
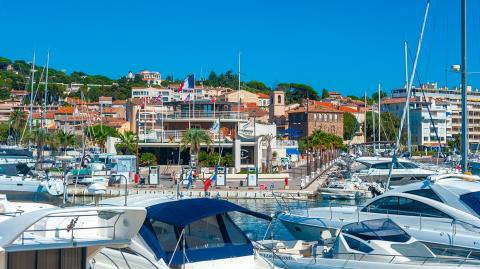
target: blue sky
344 45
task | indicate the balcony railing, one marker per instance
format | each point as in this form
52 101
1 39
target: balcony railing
230 115
174 136
287 143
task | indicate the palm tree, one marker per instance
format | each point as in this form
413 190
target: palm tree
193 138
268 139
40 137
65 139
128 142
17 122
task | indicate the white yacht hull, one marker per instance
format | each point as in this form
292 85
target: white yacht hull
298 262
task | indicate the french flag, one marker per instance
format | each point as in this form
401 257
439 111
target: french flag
188 83
211 181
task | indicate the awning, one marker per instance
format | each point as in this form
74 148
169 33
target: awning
292 151
180 213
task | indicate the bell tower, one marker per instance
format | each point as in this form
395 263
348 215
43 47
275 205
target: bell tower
277 104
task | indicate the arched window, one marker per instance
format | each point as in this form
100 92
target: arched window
279 99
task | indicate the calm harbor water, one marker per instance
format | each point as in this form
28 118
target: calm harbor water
258 227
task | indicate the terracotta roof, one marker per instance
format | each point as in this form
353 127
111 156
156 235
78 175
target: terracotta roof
105 98
324 104
111 110
119 102
18 92
65 110
263 95
37 115
334 93
254 111
348 109
251 104
320 109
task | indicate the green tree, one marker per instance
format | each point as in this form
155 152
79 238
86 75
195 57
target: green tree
40 138
193 139
350 126
295 92
257 86
383 94
325 94
148 159
390 125
99 134
4 132
128 143
17 122
66 139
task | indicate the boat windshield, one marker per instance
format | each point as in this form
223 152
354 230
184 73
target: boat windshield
472 200
378 229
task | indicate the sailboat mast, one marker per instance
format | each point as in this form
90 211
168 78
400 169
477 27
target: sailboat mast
373 124
30 116
239 98
465 144
409 137
46 94
379 114
365 121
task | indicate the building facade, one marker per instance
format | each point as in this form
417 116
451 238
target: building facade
307 120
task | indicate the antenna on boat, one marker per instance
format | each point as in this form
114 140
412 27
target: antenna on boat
409 88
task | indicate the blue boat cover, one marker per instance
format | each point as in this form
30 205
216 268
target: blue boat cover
180 213
291 151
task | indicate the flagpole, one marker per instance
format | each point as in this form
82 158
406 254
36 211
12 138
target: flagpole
239 98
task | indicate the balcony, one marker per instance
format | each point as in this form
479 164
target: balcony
287 144
202 115
175 136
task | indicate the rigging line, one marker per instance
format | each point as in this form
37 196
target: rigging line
417 55
428 109
30 116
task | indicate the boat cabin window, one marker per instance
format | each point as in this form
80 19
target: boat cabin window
427 193
166 235
210 232
377 229
204 233
398 165
472 200
403 206
357 245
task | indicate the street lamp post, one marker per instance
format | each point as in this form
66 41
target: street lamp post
255 152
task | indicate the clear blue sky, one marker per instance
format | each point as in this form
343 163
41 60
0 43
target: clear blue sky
344 45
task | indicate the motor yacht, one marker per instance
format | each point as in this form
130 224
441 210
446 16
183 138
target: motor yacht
404 171
187 233
378 243
428 220
65 237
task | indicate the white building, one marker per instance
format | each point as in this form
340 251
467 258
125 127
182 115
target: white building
151 77
423 132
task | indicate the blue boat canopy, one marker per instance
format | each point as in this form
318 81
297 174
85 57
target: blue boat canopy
293 151
183 212
209 232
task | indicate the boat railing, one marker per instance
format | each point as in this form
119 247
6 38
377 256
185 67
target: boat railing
286 202
423 220
67 230
397 259
12 214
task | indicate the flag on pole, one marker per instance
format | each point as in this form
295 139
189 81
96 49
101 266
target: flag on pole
187 98
190 179
212 180
216 126
188 83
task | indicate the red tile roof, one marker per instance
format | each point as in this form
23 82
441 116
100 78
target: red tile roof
348 109
316 108
119 102
49 116
263 95
18 92
65 110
